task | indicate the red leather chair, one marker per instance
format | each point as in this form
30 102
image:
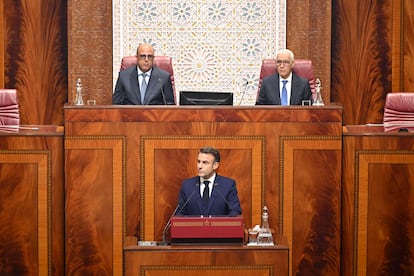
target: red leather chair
9 108
399 111
163 62
303 67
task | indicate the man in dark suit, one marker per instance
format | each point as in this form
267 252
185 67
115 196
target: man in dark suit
143 84
208 194
284 87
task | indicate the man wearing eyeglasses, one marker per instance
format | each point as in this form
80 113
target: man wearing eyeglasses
143 84
285 87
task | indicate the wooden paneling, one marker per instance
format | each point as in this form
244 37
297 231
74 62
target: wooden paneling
310 217
94 213
407 49
31 202
90 49
377 210
308 35
361 58
35 58
277 156
2 35
208 260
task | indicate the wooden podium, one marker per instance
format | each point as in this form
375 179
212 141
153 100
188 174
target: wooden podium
125 165
207 260
207 230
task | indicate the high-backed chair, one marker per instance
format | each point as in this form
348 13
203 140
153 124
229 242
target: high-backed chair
399 111
9 108
302 67
163 62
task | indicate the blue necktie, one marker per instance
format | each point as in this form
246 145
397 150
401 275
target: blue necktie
143 87
284 93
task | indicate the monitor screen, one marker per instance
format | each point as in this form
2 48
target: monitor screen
205 98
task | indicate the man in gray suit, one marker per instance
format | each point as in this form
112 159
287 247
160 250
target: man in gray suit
284 87
143 84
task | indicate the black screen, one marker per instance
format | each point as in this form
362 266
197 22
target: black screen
206 98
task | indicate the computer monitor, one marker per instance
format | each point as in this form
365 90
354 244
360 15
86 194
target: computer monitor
205 98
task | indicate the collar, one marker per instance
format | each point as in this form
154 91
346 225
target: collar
140 72
289 78
211 179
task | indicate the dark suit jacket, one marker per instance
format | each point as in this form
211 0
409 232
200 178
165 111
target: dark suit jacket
224 189
127 88
269 90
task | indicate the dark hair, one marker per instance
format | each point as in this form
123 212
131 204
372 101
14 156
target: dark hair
211 150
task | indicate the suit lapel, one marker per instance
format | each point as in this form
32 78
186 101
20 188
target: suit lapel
133 80
152 85
293 94
277 92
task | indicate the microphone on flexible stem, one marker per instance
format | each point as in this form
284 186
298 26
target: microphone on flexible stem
168 224
244 92
222 196
162 92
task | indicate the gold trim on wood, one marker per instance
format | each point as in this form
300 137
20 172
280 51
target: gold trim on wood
44 200
151 143
212 269
288 144
118 146
362 160
2 38
397 46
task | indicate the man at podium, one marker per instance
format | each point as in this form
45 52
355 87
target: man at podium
208 194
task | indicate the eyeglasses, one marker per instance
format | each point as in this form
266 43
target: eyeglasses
143 57
284 62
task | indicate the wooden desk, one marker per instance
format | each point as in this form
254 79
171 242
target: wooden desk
207 260
125 165
32 201
378 202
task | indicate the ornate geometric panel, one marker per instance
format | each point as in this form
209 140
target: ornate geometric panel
215 45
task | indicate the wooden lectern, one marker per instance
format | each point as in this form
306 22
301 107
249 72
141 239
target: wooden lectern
207 230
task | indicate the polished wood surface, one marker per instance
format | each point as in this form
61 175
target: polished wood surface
90 52
32 201
308 35
35 58
377 202
208 260
361 60
125 165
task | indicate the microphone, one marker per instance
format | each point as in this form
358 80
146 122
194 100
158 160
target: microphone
244 92
162 92
222 196
168 224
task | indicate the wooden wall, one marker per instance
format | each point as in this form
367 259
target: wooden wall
46 45
34 57
90 49
32 202
377 202
309 37
372 54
